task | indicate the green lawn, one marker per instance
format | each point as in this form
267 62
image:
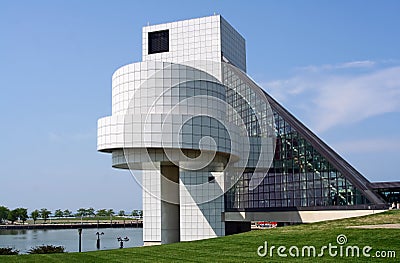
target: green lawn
243 247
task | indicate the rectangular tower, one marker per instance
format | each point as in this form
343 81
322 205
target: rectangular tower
209 38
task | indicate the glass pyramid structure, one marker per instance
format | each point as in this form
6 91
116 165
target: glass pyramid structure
306 174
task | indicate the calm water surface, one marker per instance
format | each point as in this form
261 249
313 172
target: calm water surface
23 240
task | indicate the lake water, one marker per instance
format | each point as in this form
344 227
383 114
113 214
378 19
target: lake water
23 240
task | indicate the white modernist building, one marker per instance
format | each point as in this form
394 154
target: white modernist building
213 148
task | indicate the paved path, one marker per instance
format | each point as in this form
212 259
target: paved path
395 226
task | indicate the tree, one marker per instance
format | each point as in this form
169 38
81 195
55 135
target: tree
90 211
101 212
3 213
35 215
67 213
44 213
141 213
12 216
58 213
22 214
110 212
121 213
81 212
135 213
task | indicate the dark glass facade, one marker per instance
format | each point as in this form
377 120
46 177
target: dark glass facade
300 177
390 195
389 191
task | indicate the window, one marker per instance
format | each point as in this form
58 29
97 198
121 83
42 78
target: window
158 41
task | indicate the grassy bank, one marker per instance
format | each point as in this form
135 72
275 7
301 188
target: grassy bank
243 247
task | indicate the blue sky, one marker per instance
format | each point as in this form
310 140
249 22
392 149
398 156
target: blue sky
334 64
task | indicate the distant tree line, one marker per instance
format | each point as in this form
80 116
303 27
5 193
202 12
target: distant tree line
13 215
21 214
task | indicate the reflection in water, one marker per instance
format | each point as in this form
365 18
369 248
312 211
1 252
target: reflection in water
13 232
23 240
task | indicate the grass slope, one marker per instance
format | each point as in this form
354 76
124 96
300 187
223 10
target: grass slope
243 247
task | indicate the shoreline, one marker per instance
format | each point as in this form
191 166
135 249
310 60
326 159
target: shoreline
73 226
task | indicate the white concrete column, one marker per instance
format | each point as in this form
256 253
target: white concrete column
151 207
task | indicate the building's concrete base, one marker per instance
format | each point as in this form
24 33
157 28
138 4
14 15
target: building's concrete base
151 243
297 216
182 205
